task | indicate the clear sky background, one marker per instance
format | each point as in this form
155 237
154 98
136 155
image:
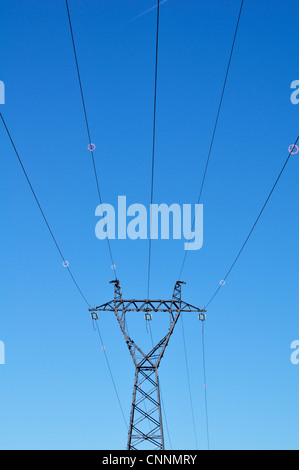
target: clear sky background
55 389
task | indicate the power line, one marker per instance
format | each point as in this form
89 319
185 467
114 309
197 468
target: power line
91 149
62 257
96 175
254 225
111 374
91 145
193 224
205 383
154 146
42 212
215 127
189 383
199 199
162 400
166 421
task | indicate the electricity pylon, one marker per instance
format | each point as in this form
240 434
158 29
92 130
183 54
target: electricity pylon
146 409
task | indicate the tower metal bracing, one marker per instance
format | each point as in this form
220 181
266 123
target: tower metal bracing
146 426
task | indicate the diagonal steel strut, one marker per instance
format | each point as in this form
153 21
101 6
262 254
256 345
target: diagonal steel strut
146 403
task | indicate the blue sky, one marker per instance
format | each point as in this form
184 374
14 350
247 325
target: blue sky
55 388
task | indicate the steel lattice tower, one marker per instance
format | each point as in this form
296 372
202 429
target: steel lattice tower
146 426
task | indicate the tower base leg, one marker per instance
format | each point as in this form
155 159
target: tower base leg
146 427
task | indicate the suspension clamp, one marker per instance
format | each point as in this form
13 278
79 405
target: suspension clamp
94 316
202 317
